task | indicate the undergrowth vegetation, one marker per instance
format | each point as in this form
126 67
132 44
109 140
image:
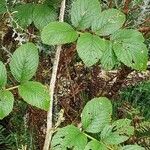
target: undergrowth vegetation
83 65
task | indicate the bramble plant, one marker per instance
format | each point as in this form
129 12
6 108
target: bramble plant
24 15
101 38
107 41
98 131
23 65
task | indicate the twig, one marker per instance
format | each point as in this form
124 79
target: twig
7 51
50 129
12 88
92 138
126 6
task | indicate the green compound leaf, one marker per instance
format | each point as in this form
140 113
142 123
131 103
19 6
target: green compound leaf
133 55
24 14
118 132
2 6
83 13
108 22
35 94
24 62
90 48
40 14
107 130
130 49
132 147
95 145
3 75
96 114
127 36
69 137
109 58
6 103
109 136
43 15
56 33
115 139
123 127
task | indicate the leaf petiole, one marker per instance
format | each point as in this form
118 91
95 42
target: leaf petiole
12 88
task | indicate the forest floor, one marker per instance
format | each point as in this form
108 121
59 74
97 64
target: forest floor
76 84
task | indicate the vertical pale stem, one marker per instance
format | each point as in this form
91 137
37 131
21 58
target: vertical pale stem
49 131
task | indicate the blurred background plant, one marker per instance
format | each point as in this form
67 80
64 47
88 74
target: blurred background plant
15 134
134 103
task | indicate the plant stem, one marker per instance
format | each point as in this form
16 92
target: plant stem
79 32
12 88
50 131
92 138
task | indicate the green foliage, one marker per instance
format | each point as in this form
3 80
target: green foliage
90 48
6 103
138 96
24 62
39 14
134 104
144 128
42 15
24 14
101 38
35 93
6 140
132 147
96 114
21 132
96 118
3 75
83 13
23 65
2 6
107 40
108 59
95 145
115 139
15 134
58 33
69 137
108 22
54 3
123 126
129 48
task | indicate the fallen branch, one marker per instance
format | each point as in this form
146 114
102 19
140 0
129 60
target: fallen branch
50 130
